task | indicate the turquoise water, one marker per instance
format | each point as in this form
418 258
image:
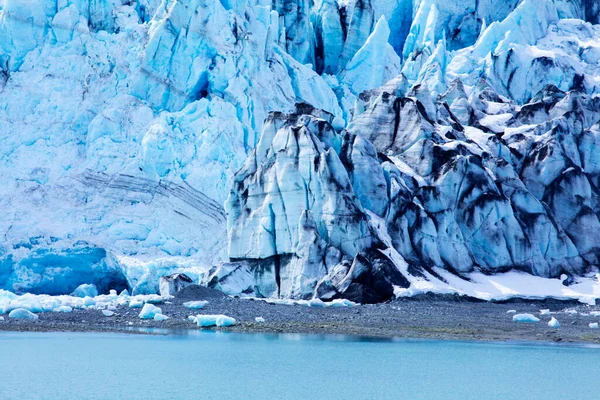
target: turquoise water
236 366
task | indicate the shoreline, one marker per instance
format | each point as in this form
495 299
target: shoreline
434 317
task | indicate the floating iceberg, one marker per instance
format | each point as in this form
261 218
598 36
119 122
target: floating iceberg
108 313
63 309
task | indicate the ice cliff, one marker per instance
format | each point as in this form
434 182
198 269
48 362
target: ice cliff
296 148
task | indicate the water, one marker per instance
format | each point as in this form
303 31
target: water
236 366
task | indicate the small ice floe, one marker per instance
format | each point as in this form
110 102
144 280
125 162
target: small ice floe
259 319
21 313
527 318
63 309
511 312
160 317
573 312
195 305
544 312
593 325
108 313
136 303
130 323
553 323
1 318
595 313
214 320
149 311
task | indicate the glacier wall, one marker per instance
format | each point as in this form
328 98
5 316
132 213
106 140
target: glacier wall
123 125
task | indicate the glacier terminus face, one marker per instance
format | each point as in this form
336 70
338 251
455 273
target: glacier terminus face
300 149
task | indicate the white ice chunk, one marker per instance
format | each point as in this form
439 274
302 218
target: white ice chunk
511 312
149 311
212 320
64 309
160 317
525 318
136 303
259 319
154 299
317 303
195 305
544 312
108 313
553 323
21 313
89 301
593 325
85 290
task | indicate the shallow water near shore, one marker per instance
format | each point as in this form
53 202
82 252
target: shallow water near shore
216 365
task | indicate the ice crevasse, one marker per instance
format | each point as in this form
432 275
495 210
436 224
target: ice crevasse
296 149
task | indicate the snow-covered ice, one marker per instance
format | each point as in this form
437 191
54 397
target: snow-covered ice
63 309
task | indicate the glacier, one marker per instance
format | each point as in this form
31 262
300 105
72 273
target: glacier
327 149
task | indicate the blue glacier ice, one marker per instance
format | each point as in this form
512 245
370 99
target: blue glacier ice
334 150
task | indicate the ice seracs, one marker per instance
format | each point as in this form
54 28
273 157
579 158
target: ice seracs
382 147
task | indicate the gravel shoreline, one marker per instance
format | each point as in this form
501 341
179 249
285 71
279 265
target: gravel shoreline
424 317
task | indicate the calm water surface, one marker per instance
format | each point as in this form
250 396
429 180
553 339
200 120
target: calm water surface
236 366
